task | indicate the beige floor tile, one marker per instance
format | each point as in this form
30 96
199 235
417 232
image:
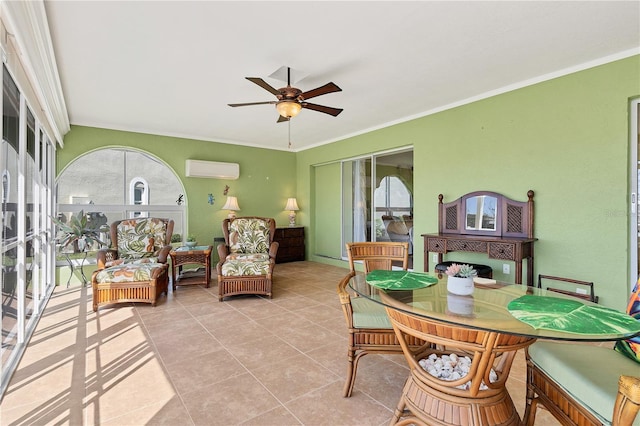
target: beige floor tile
165 413
279 416
308 338
192 360
293 377
238 334
178 348
49 388
230 402
326 406
125 384
194 373
263 351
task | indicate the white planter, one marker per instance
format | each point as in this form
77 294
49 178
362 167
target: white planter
460 286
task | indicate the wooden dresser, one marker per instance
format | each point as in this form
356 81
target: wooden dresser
291 240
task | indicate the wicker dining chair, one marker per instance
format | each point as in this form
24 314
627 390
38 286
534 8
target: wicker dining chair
369 327
579 393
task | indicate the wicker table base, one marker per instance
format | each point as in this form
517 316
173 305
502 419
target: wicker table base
434 401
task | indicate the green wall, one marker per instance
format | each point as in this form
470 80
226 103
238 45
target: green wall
567 139
267 177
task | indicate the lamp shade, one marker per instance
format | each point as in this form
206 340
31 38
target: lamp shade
231 204
292 204
288 109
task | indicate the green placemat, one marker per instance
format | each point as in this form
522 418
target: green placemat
571 316
400 280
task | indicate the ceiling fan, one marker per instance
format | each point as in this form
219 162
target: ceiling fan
291 99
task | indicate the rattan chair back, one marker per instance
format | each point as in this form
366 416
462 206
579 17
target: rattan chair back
378 255
362 341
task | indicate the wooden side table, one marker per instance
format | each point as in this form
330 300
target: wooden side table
199 255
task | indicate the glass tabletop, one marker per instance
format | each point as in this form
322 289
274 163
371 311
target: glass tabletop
487 308
194 248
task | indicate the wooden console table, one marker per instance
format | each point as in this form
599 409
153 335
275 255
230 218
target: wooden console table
485 222
513 249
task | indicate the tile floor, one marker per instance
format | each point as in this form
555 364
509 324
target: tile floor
194 361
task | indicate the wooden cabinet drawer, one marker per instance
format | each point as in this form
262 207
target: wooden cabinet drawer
291 242
436 245
502 251
282 233
466 245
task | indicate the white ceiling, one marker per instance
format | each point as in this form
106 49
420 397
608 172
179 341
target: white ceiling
171 67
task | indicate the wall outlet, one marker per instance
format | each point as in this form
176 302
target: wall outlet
435 258
506 268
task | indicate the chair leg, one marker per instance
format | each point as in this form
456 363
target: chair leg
352 369
530 413
399 412
411 421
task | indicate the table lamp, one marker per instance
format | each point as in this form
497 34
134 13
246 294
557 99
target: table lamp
232 206
292 206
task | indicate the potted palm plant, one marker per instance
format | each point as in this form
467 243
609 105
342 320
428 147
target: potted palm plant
78 232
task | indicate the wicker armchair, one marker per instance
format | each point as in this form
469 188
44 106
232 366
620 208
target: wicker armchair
582 385
135 268
248 256
136 239
369 327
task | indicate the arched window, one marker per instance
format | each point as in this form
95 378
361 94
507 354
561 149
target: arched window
139 195
117 182
393 197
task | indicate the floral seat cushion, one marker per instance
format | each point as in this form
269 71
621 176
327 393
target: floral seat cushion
128 272
131 261
237 264
249 236
141 238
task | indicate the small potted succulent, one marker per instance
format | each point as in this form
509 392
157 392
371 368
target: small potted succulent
191 241
460 279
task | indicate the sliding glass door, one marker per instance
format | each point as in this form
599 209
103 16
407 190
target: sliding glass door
377 198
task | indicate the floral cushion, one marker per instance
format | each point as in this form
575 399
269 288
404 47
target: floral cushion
249 236
141 238
246 264
128 272
631 347
131 261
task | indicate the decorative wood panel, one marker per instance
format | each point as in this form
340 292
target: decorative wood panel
507 233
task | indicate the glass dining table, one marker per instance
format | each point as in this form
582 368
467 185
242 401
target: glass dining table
459 376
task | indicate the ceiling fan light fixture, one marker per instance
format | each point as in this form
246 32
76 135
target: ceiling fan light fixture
288 108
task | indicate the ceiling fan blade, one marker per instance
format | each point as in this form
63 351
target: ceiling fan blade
282 119
327 88
260 82
252 103
322 108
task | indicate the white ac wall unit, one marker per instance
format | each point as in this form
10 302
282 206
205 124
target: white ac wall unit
212 169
